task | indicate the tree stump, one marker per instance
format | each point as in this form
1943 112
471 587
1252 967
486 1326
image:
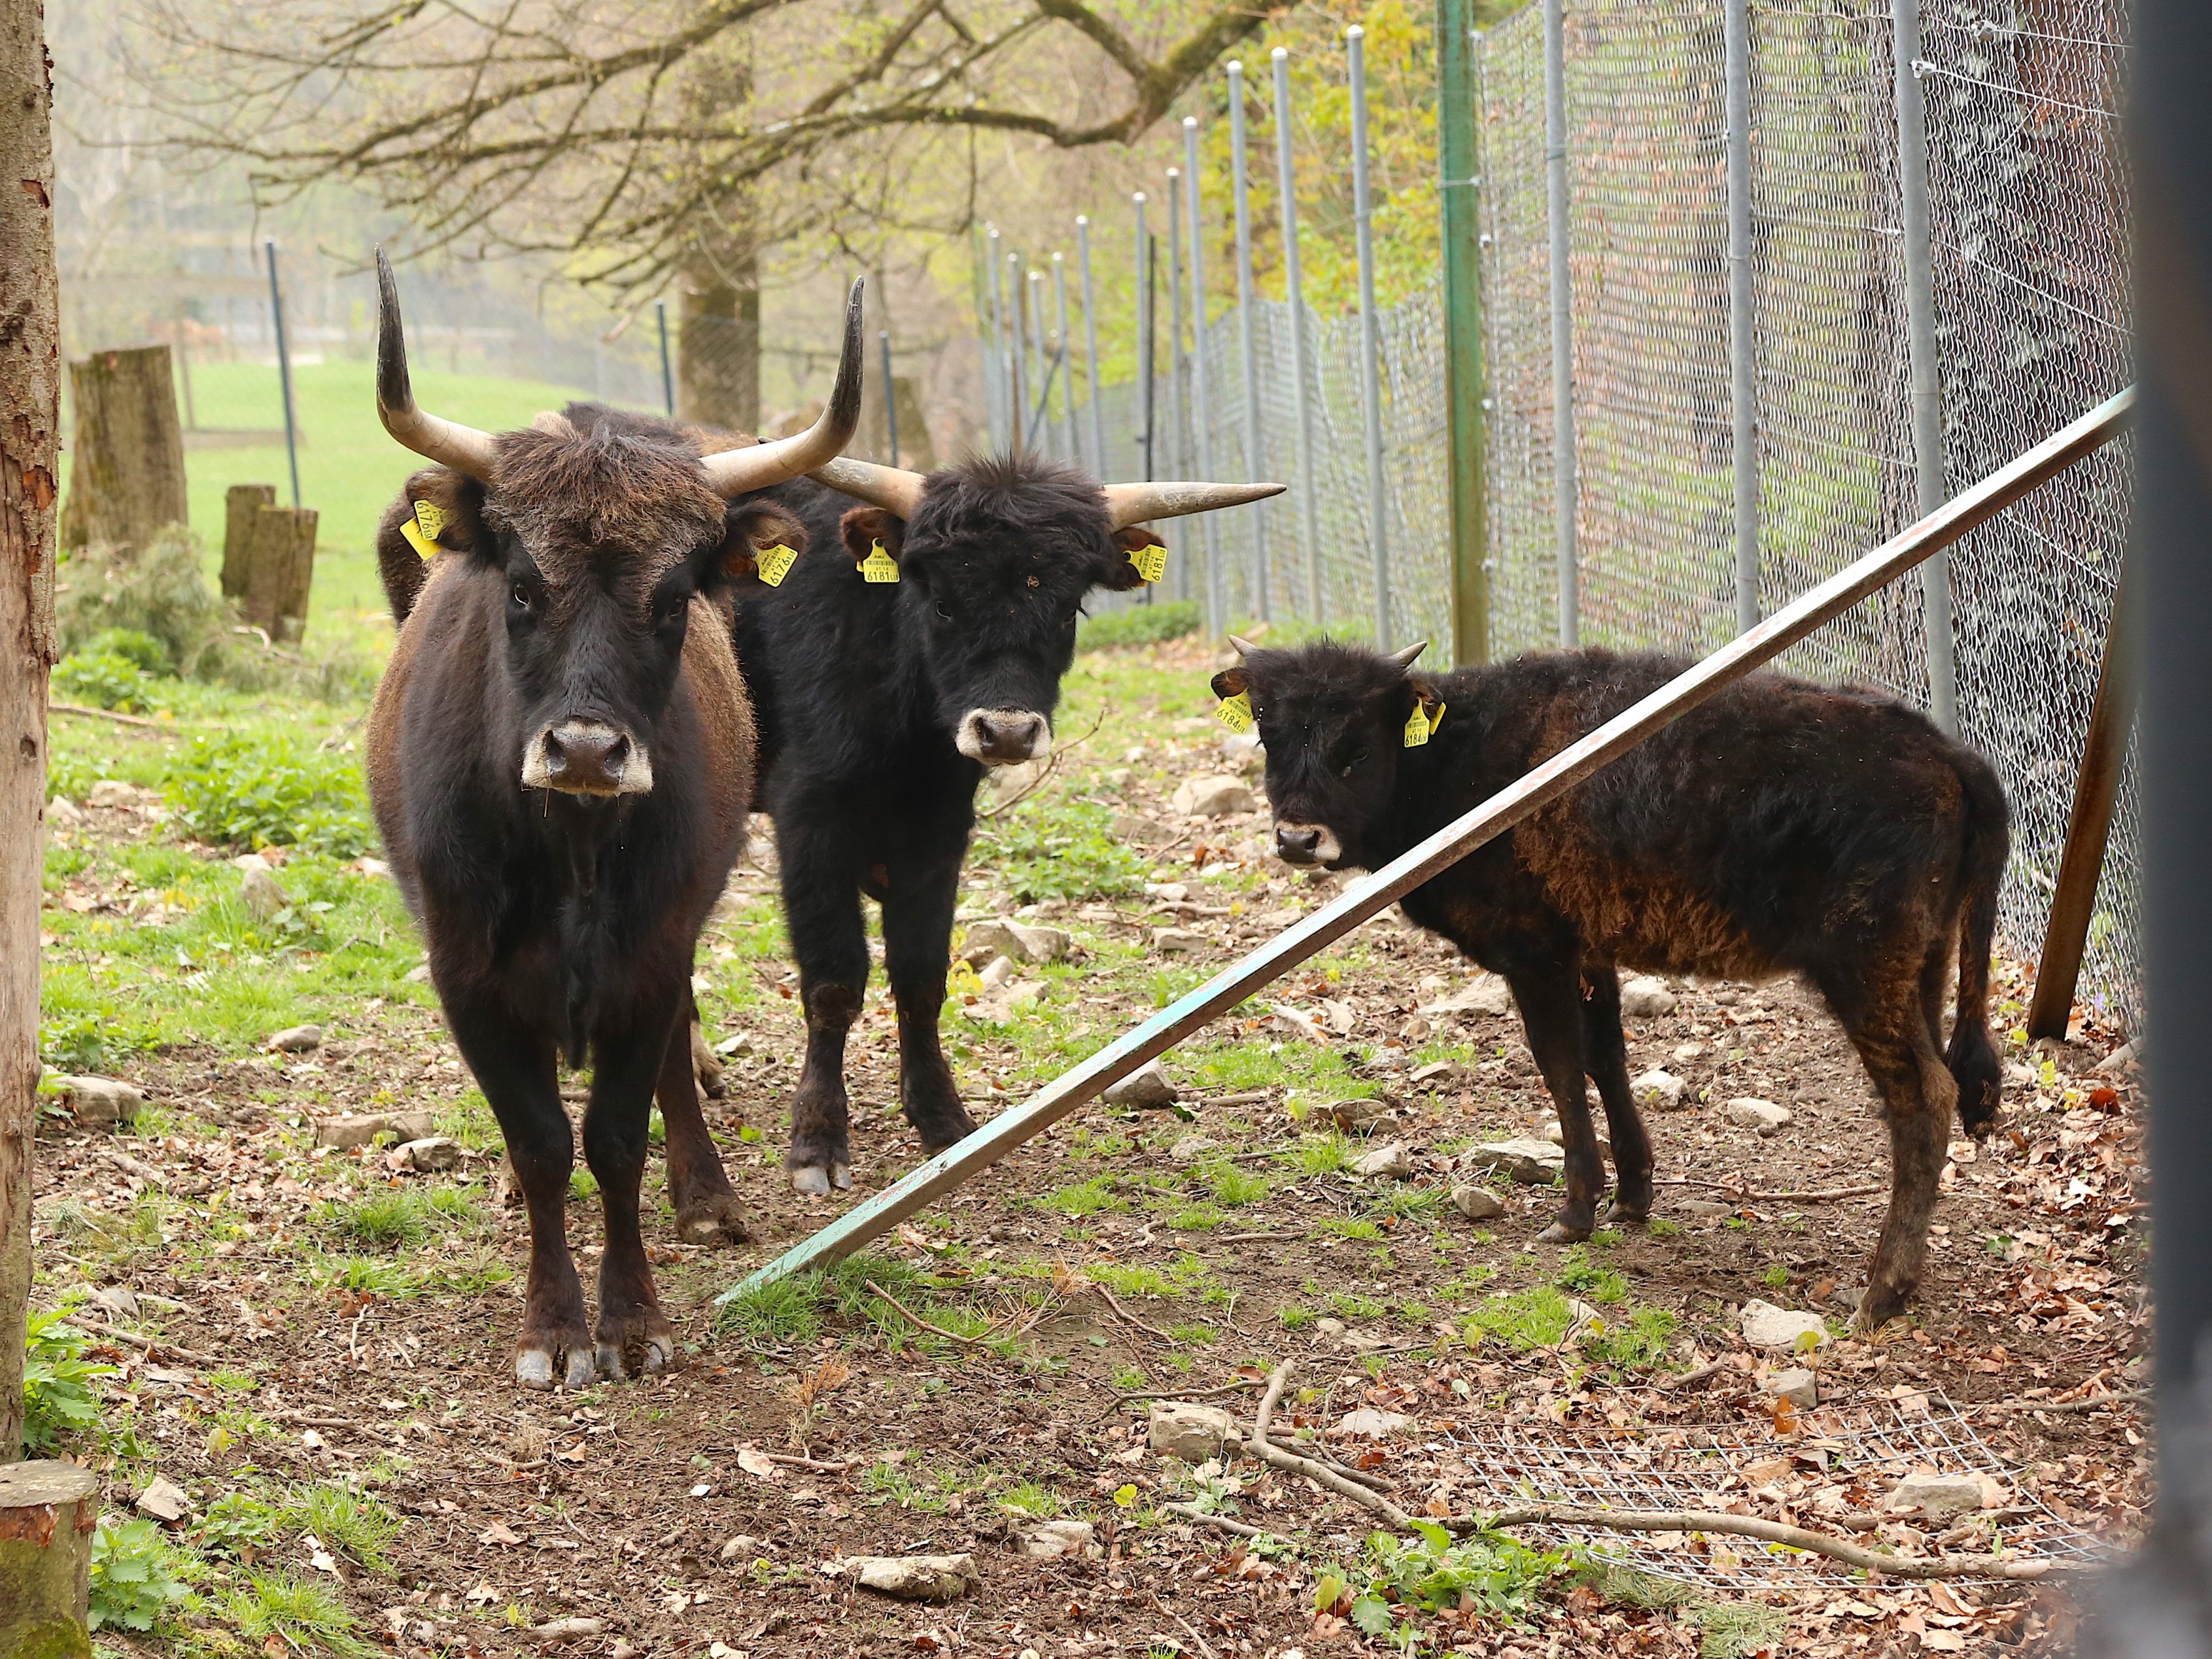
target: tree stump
48 1514
127 477
268 559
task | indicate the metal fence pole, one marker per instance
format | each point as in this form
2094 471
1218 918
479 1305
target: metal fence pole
1144 338
1217 599
1040 415
995 376
1067 361
1459 161
1301 368
1017 382
1563 319
667 375
1920 347
1743 391
1178 408
283 369
1255 462
1370 339
891 396
1091 346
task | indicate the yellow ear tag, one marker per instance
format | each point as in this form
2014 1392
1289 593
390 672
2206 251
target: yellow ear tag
416 539
1235 713
879 566
432 517
774 563
1421 725
1152 561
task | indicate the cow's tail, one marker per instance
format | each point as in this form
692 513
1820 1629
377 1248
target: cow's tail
1972 1057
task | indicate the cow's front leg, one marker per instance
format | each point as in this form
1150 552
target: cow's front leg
515 1069
822 907
699 1191
1549 995
918 904
634 1335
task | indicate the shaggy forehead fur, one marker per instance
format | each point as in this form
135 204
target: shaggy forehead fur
1055 507
1319 682
571 496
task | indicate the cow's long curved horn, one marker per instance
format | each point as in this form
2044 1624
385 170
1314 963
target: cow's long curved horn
1140 503
463 449
891 488
734 471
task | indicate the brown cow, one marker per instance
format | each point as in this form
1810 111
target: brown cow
561 758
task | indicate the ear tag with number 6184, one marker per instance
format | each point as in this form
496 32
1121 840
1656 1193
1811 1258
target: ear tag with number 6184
1235 713
1421 725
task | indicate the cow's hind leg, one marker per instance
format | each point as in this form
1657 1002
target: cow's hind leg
633 1334
515 1069
1548 994
699 1191
918 904
1605 1053
820 873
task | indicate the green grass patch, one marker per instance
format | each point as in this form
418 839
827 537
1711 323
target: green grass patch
1139 624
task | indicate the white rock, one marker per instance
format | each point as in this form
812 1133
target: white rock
577 1627
1437 1074
63 810
1388 1161
1043 944
2017 1076
1177 939
1765 1326
258 890
418 974
426 1156
1214 797
1533 1163
1477 1203
1173 891
1192 1432
1750 1112
100 1099
1557 1134
348 1132
111 792
998 972
1800 1387
1020 941
163 1499
1191 1149
116 1301
2118 1061
1145 832
1488 996
1935 1497
914 1578
1663 1091
1049 1540
1685 1053
1646 997
1148 1085
1369 1424
1356 1115
296 1040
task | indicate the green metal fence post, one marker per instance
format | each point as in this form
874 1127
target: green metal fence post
1458 153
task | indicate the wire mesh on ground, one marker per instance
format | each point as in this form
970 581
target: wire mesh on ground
1702 1466
2031 283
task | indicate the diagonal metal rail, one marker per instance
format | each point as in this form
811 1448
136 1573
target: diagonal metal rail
1937 530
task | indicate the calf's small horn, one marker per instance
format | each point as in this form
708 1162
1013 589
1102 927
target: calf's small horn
1410 655
1242 647
734 471
1140 503
463 449
891 488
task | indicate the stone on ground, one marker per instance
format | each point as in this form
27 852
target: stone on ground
1148 1087
1800 1387
428 1156
1750 1112
1557 1136
1533 1163
1388 1162
1192 1148
100 1099
1662 1091
1049 1540
1192 1432
1021 941
1646 997
1765 1326
1477 1203
257 887
163 1499
296 1040
112 793
1487 996
63 810
1369 1424
1212 797
915 1577
1176 939
348 1132
1935 1497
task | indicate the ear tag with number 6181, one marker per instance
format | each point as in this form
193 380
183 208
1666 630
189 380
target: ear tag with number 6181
879 566
1151 560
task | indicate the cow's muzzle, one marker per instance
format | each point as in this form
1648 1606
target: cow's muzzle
1307 843
1004 737
586 757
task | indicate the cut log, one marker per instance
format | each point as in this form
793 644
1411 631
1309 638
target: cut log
48 1514
127 475
268 559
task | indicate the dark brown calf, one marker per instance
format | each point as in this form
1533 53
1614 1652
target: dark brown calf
1781 827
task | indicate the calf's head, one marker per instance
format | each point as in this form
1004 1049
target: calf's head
995 556
601 531
1332 720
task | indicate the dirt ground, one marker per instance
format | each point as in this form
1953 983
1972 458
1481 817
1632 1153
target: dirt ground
298 1315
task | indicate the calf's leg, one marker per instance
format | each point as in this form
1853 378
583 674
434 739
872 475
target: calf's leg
633 1332
1605 1053
1549 995
706 1208
820 871
515 1067
918 905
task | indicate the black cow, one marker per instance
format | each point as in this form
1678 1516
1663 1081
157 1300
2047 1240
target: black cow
1780 828
881 702
561 759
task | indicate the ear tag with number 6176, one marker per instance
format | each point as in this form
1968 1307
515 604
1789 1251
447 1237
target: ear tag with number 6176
879 566
1151 560
421 530
774 563
1235 713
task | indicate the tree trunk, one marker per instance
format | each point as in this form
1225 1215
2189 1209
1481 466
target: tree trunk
30 422
127 479
48 1514
718 351
268 559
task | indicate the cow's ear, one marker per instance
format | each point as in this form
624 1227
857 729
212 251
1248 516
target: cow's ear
441 511
752 531
1427 704
867 528
1143 558
1230 683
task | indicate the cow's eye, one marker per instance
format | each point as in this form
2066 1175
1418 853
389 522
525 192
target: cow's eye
1353 764
520 595
938 605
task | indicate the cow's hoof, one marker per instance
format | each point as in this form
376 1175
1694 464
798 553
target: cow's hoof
715 1218
536 1365
1560 1233
1877 1307
649 1357
1619 1215
815 1181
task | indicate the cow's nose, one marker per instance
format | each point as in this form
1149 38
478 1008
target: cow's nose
1296 843
585 757
1004 737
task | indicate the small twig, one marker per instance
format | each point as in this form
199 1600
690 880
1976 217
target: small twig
798 1463
1241 1529
119 717
309 1420
1745 1195
1320 1474
146 1344
1237 1387
2090 1403
1191 1629
1128 1317
1247 1238
1051 765
1690 1379
1249 1098
920 1324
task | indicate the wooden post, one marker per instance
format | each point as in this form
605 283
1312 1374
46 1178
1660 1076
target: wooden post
30 430
127 477
2104 756
268 559
48 1514
1459 153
